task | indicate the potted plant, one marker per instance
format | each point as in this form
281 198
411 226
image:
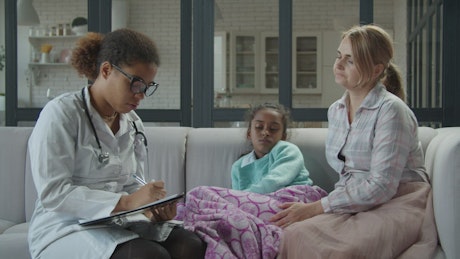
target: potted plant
80 25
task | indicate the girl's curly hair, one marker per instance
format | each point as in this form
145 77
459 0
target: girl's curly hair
283 111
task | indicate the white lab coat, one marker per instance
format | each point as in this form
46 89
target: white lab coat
71 182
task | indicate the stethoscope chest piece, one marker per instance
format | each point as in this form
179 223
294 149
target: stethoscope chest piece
104 158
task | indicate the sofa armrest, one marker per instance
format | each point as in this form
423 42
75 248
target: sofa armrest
443 163
5 224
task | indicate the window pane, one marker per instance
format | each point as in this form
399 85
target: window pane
42 77
160 20
316 33
245 53
424 62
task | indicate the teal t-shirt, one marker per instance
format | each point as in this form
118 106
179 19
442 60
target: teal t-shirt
283 166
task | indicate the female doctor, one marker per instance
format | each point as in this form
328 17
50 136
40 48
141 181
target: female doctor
85 150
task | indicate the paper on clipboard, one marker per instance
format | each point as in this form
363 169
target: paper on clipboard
121 218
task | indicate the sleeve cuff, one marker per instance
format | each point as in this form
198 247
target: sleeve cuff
325 204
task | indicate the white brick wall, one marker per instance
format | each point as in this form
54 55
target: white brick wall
160 20
58 79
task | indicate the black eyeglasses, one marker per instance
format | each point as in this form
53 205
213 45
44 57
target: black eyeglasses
137 84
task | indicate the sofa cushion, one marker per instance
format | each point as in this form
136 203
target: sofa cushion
167 156
13 141
30 190
425 135
5 224
14 245
18 228
312 141
433 147
211 153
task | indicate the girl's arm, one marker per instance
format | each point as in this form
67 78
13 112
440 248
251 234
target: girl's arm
285 164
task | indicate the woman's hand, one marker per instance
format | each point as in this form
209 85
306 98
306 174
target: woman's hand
148 193
163 213
296 211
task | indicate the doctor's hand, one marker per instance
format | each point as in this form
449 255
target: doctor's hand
151 192
148 193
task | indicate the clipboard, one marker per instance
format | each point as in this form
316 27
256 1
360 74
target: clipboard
123 216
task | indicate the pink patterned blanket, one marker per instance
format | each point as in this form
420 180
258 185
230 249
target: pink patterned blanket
234 224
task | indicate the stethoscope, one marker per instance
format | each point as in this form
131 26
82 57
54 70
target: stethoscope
104 157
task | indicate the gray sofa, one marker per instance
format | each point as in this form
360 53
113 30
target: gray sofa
188 157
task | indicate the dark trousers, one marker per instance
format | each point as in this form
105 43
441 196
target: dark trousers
180 243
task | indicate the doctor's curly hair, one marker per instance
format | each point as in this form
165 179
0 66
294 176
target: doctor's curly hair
119 47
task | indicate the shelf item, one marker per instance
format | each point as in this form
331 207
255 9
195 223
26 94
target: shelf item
50 55
58 43
60 49
72 37
55 30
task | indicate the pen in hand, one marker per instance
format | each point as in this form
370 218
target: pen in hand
139 180
160 191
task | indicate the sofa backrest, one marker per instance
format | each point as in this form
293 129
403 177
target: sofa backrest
166 147
183 157
312 143
212 151
210 154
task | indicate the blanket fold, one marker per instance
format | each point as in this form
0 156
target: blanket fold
234 224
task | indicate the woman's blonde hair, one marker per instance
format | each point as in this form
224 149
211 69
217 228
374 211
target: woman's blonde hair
372 45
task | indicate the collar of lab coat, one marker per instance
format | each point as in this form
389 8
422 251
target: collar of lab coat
126 119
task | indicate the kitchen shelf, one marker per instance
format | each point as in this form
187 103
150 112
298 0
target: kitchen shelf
254 66
307 65
53 37
48 64
244 65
